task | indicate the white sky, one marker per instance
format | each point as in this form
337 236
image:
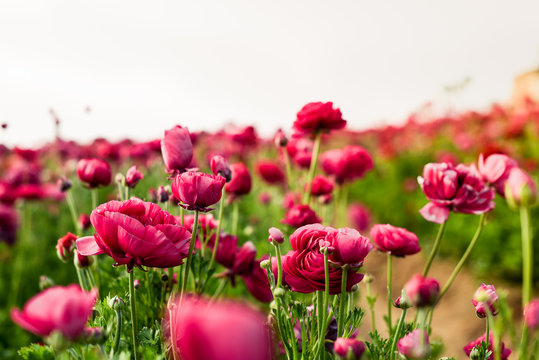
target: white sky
144 66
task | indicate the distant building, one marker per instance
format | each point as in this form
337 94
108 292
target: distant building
526 88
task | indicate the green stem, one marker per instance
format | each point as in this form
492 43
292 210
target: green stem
312 168
218 235
220 289
397 333
182 215
73 211
342 300
133 305
279 265
527 255
371 306
434 248
190 255
235 216
321 320
288 169
487 332
389 298
82 281
94 198
118 333
464 257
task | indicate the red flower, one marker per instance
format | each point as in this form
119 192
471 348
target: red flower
94 172
240 183
349 348
348 164
422 291
270 172
359 216
136 233
321 186
504 352
177 149
198 191
219 166
200 329
300 215
63 309
318 117
459 189
65 246
395 240
303 266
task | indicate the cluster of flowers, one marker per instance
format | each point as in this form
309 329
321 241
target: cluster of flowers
324 260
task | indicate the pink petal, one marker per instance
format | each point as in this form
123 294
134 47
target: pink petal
434 213
87 246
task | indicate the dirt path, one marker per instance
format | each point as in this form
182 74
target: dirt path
454 321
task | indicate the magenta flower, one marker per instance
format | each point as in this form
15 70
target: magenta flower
270 172
531 314
219 166
485 297
136 233
320 186
504 352
449 188
395 240
133 176
495 170
347 164
349 348
198 191
241 182
300 215
422 291
303 266
316 117
62 309
350 246
520 189
94 172
359 216
200 329
413 346
177 149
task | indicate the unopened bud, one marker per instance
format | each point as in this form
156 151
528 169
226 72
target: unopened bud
116 303
65 246
162 194
279 292
133 176
136 284
119 179
63 184
265 264
84 221
275 235
45 282
280 139
82 261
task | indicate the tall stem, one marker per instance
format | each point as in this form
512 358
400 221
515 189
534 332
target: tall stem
312 168
342 300
219 224
133 304
370 301
190 255
397 334
389 298
289 175
434 248
527 255
235 216
279 266
94 198
464 257
73 211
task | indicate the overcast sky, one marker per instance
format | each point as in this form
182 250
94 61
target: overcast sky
143 66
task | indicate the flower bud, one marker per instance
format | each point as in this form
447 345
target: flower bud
133 176
162 194
475 354
84 221
119 179
531 314
402 301
136 284
520 189
422 291
164 278
485 298
369 278
275 235
82 261
64 184
45 282
348 349
219 166
279 292
65 246
265 264
280 139
94 172
413 346
116 303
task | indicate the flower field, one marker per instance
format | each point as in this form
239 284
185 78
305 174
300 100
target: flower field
228 245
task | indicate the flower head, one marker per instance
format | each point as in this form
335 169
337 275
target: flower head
94 172
316 117
197 190
395 240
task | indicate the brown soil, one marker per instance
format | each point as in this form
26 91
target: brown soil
454 321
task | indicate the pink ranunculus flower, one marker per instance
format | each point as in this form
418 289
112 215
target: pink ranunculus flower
395 240
62 309
133 176
197 190
485 297
413 346
350 246
316 117
303 266
240 182
531 314
347 164
270 172
349 348
136 233
453 188
495 170
422 291
177 149
359 216
300 215
520 189
504 352
201 329
320 186
94 172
